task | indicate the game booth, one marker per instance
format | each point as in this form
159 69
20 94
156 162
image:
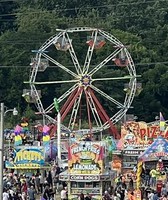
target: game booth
86 170
154 157
27 160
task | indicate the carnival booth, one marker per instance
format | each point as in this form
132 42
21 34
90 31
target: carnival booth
27 160
86 170
155 157
136 137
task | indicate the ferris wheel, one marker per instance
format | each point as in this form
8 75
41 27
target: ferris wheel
94 70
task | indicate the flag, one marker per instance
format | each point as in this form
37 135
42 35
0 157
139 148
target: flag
18 138
56 104
162 122
46 136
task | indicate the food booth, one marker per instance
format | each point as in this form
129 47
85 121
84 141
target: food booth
86 170
136 137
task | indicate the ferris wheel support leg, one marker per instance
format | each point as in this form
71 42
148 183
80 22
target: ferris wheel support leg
88 111
104 115
71 103
67 102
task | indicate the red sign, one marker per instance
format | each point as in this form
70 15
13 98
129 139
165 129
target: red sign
152 132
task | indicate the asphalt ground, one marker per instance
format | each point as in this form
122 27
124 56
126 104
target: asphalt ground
57 197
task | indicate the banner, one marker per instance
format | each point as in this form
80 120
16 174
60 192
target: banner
27 157
140 135
86 158
158 149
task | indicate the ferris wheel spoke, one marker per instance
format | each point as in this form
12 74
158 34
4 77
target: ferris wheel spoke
106 96
104 116
110 57
116 117
35 96
60 65
51 82
71 103
73 56
67 93
62 97
54 121
114 78
89 53
74 112
110 38
50 41
94 110
88 111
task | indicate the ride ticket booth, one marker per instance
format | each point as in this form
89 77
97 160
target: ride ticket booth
86 172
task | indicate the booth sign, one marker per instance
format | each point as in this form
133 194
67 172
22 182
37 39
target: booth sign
85 158
27 157
85 178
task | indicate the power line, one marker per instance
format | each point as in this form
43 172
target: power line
37 41
88 7
1 1
71 66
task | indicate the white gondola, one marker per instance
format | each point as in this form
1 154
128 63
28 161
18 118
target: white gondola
29 96
62 44
42 65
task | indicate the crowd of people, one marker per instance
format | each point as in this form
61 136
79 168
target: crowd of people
151 189
33 187
45 185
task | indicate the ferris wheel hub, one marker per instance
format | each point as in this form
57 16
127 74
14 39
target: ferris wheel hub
85 80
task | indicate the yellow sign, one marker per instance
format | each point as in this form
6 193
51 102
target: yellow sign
85 158
27 157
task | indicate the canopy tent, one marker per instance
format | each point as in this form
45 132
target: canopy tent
158 149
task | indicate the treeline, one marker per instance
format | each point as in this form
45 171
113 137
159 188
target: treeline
142 25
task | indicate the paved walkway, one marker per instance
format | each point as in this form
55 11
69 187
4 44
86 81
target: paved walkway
57 197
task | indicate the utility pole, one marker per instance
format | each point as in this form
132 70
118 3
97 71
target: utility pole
1 150
15 112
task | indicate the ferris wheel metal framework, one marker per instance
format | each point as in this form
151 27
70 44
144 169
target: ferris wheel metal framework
83 79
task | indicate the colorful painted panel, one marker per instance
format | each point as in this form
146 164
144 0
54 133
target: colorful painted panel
27 157
158 149
86 158
140 135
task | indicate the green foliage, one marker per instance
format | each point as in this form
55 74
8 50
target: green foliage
7 20
141 25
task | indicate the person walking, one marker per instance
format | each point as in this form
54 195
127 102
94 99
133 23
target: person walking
64 194
153 174
150 195
5 195
81 197
31 193
46 194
